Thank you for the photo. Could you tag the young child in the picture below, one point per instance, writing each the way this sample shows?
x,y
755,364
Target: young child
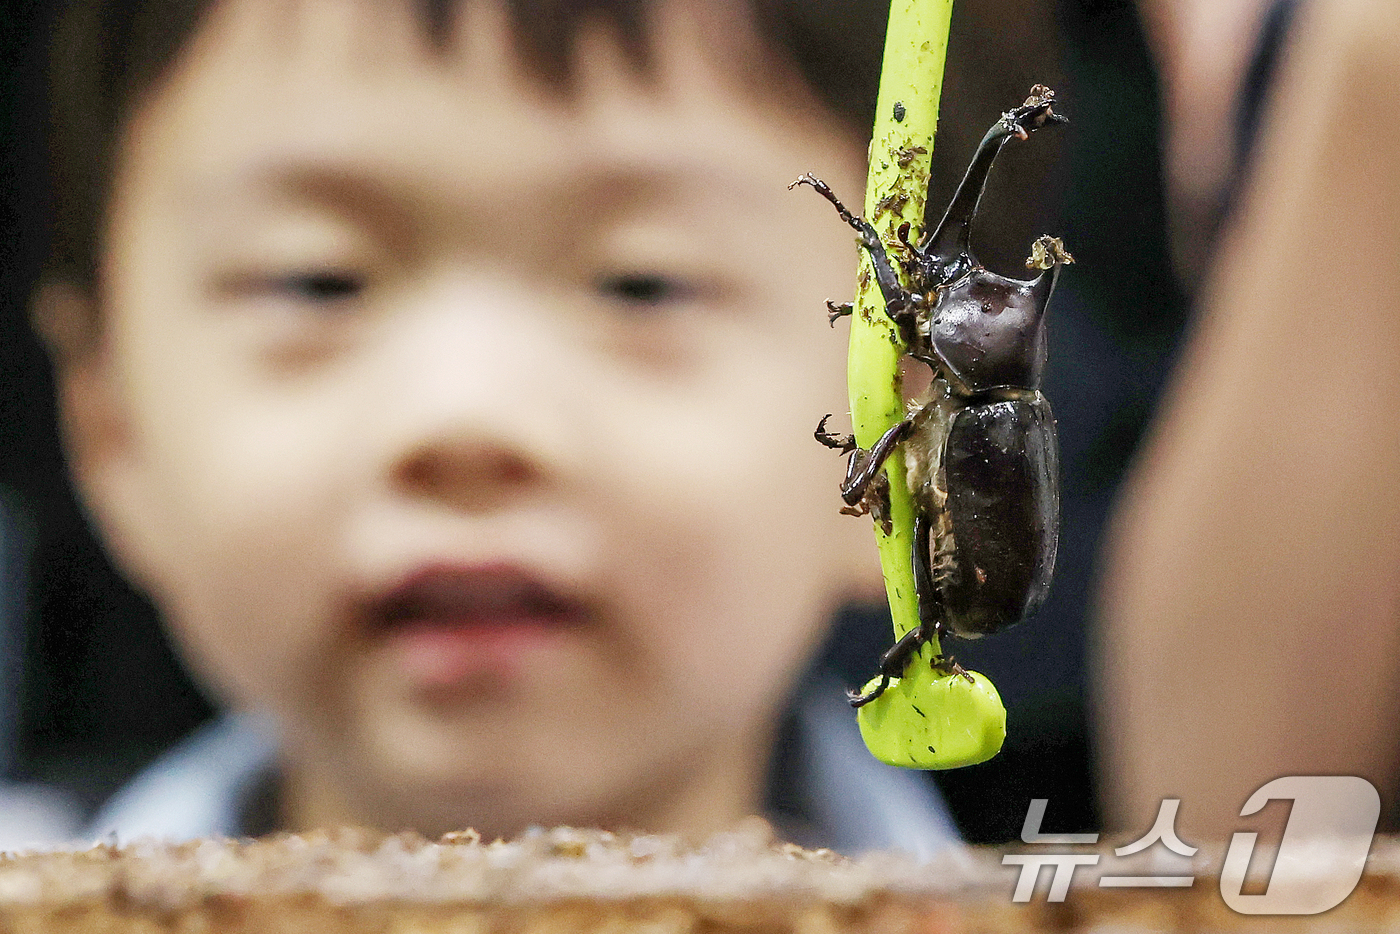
x,y
447,375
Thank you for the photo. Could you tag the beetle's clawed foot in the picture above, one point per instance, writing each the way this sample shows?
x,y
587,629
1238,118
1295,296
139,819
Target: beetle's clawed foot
x,y
1035,113
895,660
946,664
834,311
868,237
858,700
823,189
843,443
892,665
865,491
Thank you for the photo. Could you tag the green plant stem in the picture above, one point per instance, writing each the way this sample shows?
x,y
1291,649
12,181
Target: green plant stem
x,y
901,152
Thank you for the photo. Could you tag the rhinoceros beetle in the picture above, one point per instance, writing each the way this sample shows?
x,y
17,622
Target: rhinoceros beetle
x,y
981,449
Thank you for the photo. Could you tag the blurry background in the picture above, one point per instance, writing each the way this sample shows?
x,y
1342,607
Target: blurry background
x,y
98,692
89,690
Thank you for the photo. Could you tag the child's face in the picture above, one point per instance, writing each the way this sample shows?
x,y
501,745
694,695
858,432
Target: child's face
x,y
467,428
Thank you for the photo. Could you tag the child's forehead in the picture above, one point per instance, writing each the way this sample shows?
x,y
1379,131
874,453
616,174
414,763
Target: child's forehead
x,y
355,46
299,94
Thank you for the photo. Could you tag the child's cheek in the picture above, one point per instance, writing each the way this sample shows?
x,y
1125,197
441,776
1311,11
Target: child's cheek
x,y
250,487
723,514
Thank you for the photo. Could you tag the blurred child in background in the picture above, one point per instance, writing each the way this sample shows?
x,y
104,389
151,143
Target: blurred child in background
x,y
446,373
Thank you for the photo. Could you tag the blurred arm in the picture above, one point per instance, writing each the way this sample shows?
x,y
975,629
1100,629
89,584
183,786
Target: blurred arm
x,y
1251,612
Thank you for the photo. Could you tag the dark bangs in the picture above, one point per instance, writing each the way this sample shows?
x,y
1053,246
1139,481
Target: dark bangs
x,y
107,54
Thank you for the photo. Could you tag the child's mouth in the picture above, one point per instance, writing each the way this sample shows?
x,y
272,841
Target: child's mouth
x,y
451,627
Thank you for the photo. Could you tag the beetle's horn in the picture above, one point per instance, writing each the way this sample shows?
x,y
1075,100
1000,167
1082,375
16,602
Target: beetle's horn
x,y
952,237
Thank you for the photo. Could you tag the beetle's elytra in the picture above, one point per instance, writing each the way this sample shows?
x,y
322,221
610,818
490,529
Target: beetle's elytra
x,y
981,449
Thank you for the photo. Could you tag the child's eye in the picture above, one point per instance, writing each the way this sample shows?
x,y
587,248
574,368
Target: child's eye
x,y
320,287
645,290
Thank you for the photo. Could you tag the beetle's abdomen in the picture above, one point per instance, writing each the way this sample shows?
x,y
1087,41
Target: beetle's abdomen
x,y
1001,468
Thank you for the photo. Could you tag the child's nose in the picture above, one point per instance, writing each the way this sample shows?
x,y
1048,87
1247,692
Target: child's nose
x,y
476,474
479,417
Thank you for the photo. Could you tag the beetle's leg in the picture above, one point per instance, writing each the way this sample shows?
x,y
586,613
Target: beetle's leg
x,y
902,234
896,660
875,502
948,665
930,600
892,665
950,240
925,586
843,443
898,306
864,466
931,608
874,497
834,311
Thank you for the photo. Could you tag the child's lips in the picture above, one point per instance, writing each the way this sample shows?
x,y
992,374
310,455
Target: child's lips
x,y
449,627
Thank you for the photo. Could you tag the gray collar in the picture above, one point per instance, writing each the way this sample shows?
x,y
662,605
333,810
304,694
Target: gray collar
x,y
216,782
196,788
